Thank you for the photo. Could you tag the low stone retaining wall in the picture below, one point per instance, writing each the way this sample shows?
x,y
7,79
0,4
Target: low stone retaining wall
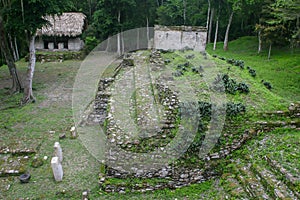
x,y
57,57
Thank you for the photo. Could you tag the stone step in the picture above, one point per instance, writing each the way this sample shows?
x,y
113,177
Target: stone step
x,y
274,186
274,124
234,189
292,181
251,182
293,111
277,168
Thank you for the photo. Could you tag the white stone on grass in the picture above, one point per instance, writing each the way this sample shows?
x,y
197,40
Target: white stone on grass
x,y
57,169
58,151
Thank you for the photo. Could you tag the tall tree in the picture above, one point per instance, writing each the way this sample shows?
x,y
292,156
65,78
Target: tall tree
x,y
171,13
9,59
244,8
279,23
112,17
211,18
287,13
225,46
217,28
9,52
27,17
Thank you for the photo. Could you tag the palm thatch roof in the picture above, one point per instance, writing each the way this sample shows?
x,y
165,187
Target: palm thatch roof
x,y
69,24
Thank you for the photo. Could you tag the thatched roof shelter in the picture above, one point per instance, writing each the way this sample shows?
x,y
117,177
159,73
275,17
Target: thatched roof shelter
x,y
70,24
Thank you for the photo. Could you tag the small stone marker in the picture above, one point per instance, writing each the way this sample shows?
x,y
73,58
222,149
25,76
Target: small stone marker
x,y
85,195
62,136
58,151
57,169
73,132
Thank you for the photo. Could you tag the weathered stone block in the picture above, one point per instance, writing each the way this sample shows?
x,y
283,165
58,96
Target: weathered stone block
x,y
57,169
51,45
58,151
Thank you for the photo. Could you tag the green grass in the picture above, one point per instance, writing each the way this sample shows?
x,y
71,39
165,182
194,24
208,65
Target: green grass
x,y
53,83
282,70
29,126
195,191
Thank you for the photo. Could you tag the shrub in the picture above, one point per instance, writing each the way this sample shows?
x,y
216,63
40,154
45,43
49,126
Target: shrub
x,y
187,64
167,61
90,43
204,109
177,73
191,56
179,66
233,109
267,85
243,88
239,63
230,61
195,70
252,72
230,85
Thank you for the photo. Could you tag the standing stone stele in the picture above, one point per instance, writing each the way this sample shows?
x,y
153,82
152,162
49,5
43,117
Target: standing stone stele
x,y
58,151
57,169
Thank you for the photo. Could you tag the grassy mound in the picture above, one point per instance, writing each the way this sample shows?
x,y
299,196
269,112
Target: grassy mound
x,y
282,70
40,125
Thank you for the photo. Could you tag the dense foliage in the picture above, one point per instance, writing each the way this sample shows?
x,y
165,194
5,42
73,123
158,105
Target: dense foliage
x,y
276,21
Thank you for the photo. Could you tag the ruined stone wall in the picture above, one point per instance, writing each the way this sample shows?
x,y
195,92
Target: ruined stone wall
x,y
180,37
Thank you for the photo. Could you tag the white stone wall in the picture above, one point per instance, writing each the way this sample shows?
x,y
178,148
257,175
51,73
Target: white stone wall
x,y
179,37
39,43
75,44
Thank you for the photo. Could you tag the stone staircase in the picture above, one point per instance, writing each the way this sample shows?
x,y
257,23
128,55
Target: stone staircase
x,y
246,181
256,181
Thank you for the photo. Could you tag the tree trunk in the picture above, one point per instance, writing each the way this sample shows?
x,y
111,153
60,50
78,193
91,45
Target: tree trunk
x,y
138,38
16,84
184,12
28,95
225,47
269,54
22,7
118,36
298,22
12,48
217,28
207,20
122,39
210,24
148,36
90,9
17,50
259,42
216,34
